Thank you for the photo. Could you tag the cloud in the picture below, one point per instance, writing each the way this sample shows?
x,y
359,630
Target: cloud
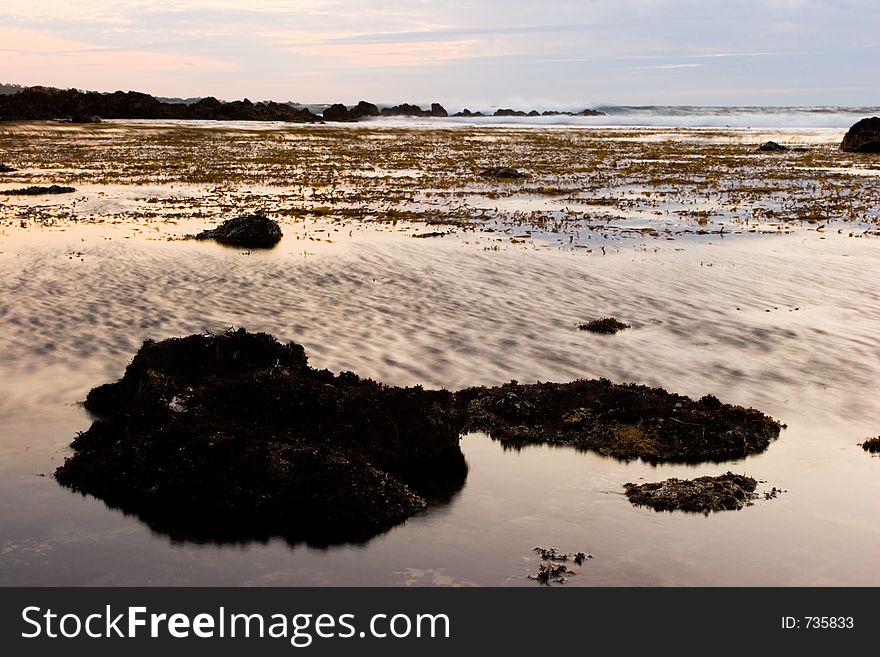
x,y
664,67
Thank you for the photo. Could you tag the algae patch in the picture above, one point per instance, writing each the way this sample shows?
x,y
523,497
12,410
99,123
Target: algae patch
x,y
727,492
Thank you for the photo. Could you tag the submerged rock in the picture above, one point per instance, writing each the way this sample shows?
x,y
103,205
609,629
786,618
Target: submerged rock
x,y
606,325
863,137
251,231
501,173
772,146
232,436
6,168
625,421
727,492
37,190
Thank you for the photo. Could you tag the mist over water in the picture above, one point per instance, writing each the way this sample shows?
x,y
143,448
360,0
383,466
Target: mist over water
x,y
684,116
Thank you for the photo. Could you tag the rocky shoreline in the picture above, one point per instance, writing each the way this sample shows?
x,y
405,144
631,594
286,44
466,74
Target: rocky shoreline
x,y
47,103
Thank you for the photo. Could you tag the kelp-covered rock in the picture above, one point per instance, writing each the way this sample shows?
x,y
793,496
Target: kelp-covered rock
x,y
606,326
871,445
501,173
625,421
250,231
727,492
233,435
38,190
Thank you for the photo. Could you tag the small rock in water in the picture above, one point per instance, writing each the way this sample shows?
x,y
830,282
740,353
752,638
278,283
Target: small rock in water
x,y
727,492
871,445
501,173
606,325
37,190
251,231
772,146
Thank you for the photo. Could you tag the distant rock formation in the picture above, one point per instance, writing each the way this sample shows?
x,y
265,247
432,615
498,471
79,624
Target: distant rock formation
x,y
46,103
863,137
339,112
467,113
512,112
405,109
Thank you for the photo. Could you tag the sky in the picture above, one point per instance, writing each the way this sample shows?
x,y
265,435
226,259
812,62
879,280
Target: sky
x,y
512,53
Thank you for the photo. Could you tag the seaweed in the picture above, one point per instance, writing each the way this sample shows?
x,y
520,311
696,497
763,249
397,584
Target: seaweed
x,y
727,492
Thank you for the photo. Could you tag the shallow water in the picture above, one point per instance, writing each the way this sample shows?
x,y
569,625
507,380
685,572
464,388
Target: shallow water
x,y
783,323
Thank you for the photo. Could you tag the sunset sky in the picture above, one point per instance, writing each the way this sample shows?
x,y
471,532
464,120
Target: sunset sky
x,y
495,52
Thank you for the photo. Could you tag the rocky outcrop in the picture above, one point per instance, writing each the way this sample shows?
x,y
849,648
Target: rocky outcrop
x,y
467,113
252,231
863,137
340,112
624,421
233,436
501,173
532,113
45,103
39,190
5,168
772,147
727,492
406,109
336,112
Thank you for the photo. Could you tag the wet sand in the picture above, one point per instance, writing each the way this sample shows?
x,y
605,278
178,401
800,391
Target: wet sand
x,y
782,319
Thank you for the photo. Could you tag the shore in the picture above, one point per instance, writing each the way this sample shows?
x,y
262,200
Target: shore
x,y
777,311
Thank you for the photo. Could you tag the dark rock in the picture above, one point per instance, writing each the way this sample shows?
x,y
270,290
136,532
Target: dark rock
x,y
534,113
79,118
405,109
45,103
251,231
590,112
727,492
501,173
606,325
863,137
336,112
363,110
233,436
625,421
508,112
871,445
431,234
772,146
37,190
467,113
6,168
438,110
